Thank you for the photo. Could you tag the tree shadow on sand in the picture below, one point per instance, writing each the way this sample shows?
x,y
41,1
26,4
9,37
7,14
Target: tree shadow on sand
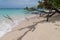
x,y
31,28
55,18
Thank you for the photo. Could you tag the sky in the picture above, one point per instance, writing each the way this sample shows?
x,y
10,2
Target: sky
x,y
17,3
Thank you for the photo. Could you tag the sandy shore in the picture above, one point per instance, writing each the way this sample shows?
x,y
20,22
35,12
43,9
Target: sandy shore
x,y
36,28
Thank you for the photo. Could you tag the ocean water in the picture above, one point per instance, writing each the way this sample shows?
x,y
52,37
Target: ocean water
x,y
6,24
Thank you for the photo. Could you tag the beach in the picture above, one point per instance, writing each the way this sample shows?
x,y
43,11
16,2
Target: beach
x,y
35,28
9,18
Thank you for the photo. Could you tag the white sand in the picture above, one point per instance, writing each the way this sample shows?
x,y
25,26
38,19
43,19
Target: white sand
x,y
44,30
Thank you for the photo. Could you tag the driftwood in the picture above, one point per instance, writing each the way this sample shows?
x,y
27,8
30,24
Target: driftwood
x,y
8,17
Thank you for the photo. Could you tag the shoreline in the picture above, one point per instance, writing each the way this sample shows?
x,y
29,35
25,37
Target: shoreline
x,y
41,31
16,25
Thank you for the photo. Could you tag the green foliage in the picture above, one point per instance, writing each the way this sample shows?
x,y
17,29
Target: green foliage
x,y
47,4
30,9
26,8
40,4
56,3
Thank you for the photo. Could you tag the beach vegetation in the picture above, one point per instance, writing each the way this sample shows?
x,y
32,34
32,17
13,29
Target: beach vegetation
x,y
49,5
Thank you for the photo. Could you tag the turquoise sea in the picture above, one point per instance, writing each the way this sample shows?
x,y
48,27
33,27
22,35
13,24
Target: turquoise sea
x,y
17,15
11,12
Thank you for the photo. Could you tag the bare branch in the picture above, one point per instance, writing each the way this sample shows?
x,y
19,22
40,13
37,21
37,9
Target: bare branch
x,y
8,17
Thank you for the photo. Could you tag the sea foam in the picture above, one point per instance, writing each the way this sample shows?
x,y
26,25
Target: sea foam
x,y
7,25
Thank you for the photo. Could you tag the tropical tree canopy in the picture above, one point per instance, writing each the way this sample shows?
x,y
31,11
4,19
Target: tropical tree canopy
x,y
47,4
40,4
56,3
